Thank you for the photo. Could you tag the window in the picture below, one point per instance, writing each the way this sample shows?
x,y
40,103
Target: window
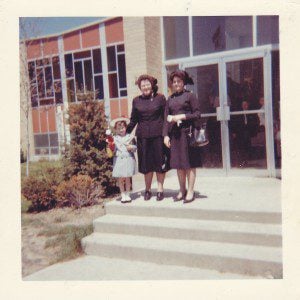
x,y
45,77
46,144
116,71
176,33
87,75
267,30
213,34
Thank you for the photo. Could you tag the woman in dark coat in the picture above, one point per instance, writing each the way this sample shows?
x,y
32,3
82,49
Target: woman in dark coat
x,y
181,115
148,113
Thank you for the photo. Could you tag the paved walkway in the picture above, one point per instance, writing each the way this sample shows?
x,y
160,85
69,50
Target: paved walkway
x,y
247,194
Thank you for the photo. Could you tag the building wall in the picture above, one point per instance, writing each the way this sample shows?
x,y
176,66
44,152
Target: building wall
x,y
154,49
135,53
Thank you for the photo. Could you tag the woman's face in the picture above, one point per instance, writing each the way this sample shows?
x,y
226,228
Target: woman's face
x,y
177,84
146,87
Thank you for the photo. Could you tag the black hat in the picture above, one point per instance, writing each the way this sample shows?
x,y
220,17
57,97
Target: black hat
x,y
183,75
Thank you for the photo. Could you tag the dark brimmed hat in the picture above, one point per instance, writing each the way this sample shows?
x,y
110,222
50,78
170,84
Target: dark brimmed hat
x,y
183,75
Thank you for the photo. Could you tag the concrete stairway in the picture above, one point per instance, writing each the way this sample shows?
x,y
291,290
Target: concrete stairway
x,y
199,235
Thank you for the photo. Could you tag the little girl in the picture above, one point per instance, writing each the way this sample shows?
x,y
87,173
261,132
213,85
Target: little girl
x,y
124,160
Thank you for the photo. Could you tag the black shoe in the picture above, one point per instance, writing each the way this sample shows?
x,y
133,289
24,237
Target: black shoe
x,y
180,198
147,195
160,196
189,200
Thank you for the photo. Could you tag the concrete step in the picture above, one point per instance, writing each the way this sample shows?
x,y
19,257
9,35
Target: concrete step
x,y
191,229
224,257
169,209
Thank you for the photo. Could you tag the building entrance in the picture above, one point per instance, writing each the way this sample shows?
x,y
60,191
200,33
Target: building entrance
x,y
235,95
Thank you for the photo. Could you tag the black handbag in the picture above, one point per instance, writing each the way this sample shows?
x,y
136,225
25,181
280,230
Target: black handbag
x,y
198,137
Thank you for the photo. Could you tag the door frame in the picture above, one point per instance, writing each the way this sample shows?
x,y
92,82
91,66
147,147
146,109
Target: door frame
x,y
231,56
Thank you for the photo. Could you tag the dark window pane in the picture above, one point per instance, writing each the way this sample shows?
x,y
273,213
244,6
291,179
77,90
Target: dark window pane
x,y
39,63
176,32
111,58
97,61
113,85
123,93
41,140
213,34
54,150
71,90
69,65
46,61
53,139
56,67
42,151
88,75
79,76
83,54
99,87
267,30
49,82
120,48
34,101
41,83
46,101
58,92
31,71
122,71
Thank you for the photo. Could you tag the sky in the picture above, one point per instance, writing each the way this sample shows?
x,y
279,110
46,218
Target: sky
x,y
40,26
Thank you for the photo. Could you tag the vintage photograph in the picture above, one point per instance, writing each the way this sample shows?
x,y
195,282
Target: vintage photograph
x,y
150,148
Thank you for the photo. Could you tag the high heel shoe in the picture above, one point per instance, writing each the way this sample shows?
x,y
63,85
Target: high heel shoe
x,y
160,196
147,195
181,197
189,200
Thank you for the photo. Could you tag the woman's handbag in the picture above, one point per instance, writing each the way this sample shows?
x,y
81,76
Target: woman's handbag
x,y
198,137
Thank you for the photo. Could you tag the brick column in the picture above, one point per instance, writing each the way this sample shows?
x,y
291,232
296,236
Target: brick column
x,y
143,51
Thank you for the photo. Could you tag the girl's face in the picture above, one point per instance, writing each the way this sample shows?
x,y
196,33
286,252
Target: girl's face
x,y
146,87
177,84
121,128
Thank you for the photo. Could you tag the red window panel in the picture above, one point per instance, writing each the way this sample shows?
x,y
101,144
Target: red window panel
x,y
124,107
90,36
114,31
50,46
35,121
34,49
43,120
114,109
51,119
72,41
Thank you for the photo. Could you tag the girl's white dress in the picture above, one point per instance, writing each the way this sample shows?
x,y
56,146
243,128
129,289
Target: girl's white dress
x,y
124,164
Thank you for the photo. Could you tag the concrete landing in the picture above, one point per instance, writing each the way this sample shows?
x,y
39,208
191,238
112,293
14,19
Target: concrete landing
x,y
99,268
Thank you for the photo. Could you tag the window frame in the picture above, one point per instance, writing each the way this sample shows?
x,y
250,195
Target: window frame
x,y
117,53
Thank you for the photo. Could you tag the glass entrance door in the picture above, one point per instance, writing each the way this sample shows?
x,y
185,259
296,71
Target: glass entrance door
x,y
235,95
246,102
206,88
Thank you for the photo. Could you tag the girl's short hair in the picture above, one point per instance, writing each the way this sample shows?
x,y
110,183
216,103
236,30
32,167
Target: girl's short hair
x,y
151,79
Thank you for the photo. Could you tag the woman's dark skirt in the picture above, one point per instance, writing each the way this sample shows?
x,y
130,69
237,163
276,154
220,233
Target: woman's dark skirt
x,y
183,156
153,155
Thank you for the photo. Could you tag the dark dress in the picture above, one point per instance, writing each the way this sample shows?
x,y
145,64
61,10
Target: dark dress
x,y
148,114
182,156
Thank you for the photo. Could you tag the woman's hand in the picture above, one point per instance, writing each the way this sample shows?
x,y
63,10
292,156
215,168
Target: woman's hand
x,y
167,141
131,148
176,118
